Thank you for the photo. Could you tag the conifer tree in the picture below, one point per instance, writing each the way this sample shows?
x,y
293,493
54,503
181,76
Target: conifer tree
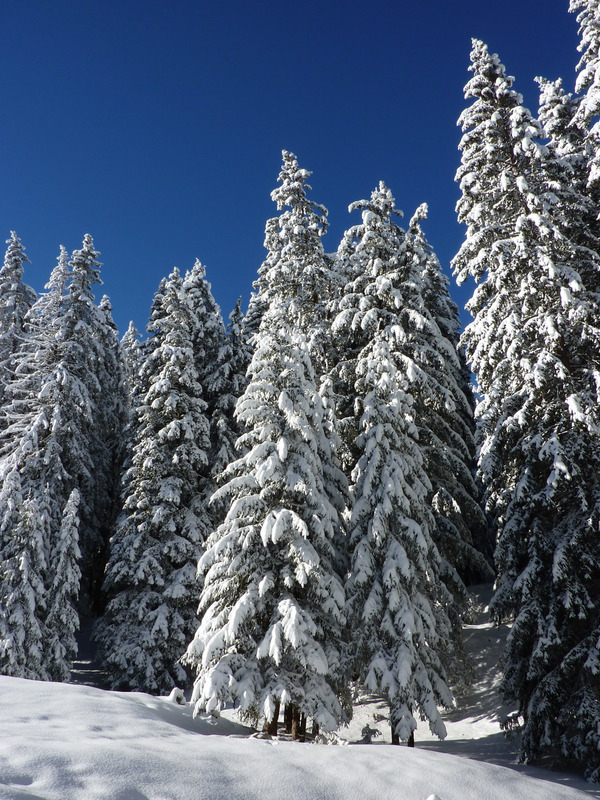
x,y
272,604
62,621
131,358
16,298
23,566
272,601
396,599
296,264
235,358
212,357
150,579
48,410
587,85
446,432
534,345
88,455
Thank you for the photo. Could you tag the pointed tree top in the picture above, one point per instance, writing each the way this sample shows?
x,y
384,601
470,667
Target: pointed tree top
x,y
382,203
419,215
14,258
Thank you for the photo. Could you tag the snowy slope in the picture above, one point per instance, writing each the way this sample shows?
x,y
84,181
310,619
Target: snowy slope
x,y
67,742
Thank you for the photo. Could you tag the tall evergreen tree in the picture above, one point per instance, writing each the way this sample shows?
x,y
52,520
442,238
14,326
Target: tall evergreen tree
x,y
396,599
88,455
23,568
16,298
534,345
48,408
235,358
587,85
62,619
131,357
272,604
296,266
447,432
212,363
272,601
150,580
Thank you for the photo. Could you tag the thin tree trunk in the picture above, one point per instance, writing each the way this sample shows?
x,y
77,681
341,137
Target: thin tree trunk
x,y
270,725
315,729
303,728
295,723
411,740
288,715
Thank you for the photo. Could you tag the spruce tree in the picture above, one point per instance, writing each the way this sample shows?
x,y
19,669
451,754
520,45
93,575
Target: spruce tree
x,y
62,619
396,599
212,364
534,345
131,358
272,601
16,298
235,358
150,579
48,412
447,432
23,567
587,85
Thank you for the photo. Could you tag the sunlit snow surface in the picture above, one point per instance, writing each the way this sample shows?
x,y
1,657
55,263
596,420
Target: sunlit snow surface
x,y
66,742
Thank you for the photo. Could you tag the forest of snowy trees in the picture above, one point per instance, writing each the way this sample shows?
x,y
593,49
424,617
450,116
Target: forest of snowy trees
x,y
275,510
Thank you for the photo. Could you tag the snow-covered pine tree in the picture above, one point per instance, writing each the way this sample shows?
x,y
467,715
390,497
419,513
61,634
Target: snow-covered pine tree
x,y
396,599
23,566
272,600
48,409
108,447
91,355
151,574
447,432
235,357
131,358
212,364
296,265
62,621
272,604
534,345
587,85
16,298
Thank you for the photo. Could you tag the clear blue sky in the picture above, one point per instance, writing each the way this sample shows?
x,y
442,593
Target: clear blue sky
x,y
158,126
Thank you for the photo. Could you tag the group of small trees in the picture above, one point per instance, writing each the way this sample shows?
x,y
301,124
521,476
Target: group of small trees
x,y
530,199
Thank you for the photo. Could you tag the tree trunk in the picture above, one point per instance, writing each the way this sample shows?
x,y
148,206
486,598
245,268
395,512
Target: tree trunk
x,y
411,740
270,725
315,729
303,728
295,723
395,738
288,715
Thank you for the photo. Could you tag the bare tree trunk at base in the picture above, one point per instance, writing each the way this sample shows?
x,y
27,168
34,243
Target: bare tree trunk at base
x,y
270,725
295,723
288,715
303,728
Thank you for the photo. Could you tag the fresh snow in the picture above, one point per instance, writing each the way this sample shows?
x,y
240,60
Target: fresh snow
x,y
68,742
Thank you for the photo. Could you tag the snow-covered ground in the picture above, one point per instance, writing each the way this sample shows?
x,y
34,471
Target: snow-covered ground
x,y
69,742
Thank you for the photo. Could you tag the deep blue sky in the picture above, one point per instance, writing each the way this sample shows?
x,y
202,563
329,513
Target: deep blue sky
x,y
158,126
